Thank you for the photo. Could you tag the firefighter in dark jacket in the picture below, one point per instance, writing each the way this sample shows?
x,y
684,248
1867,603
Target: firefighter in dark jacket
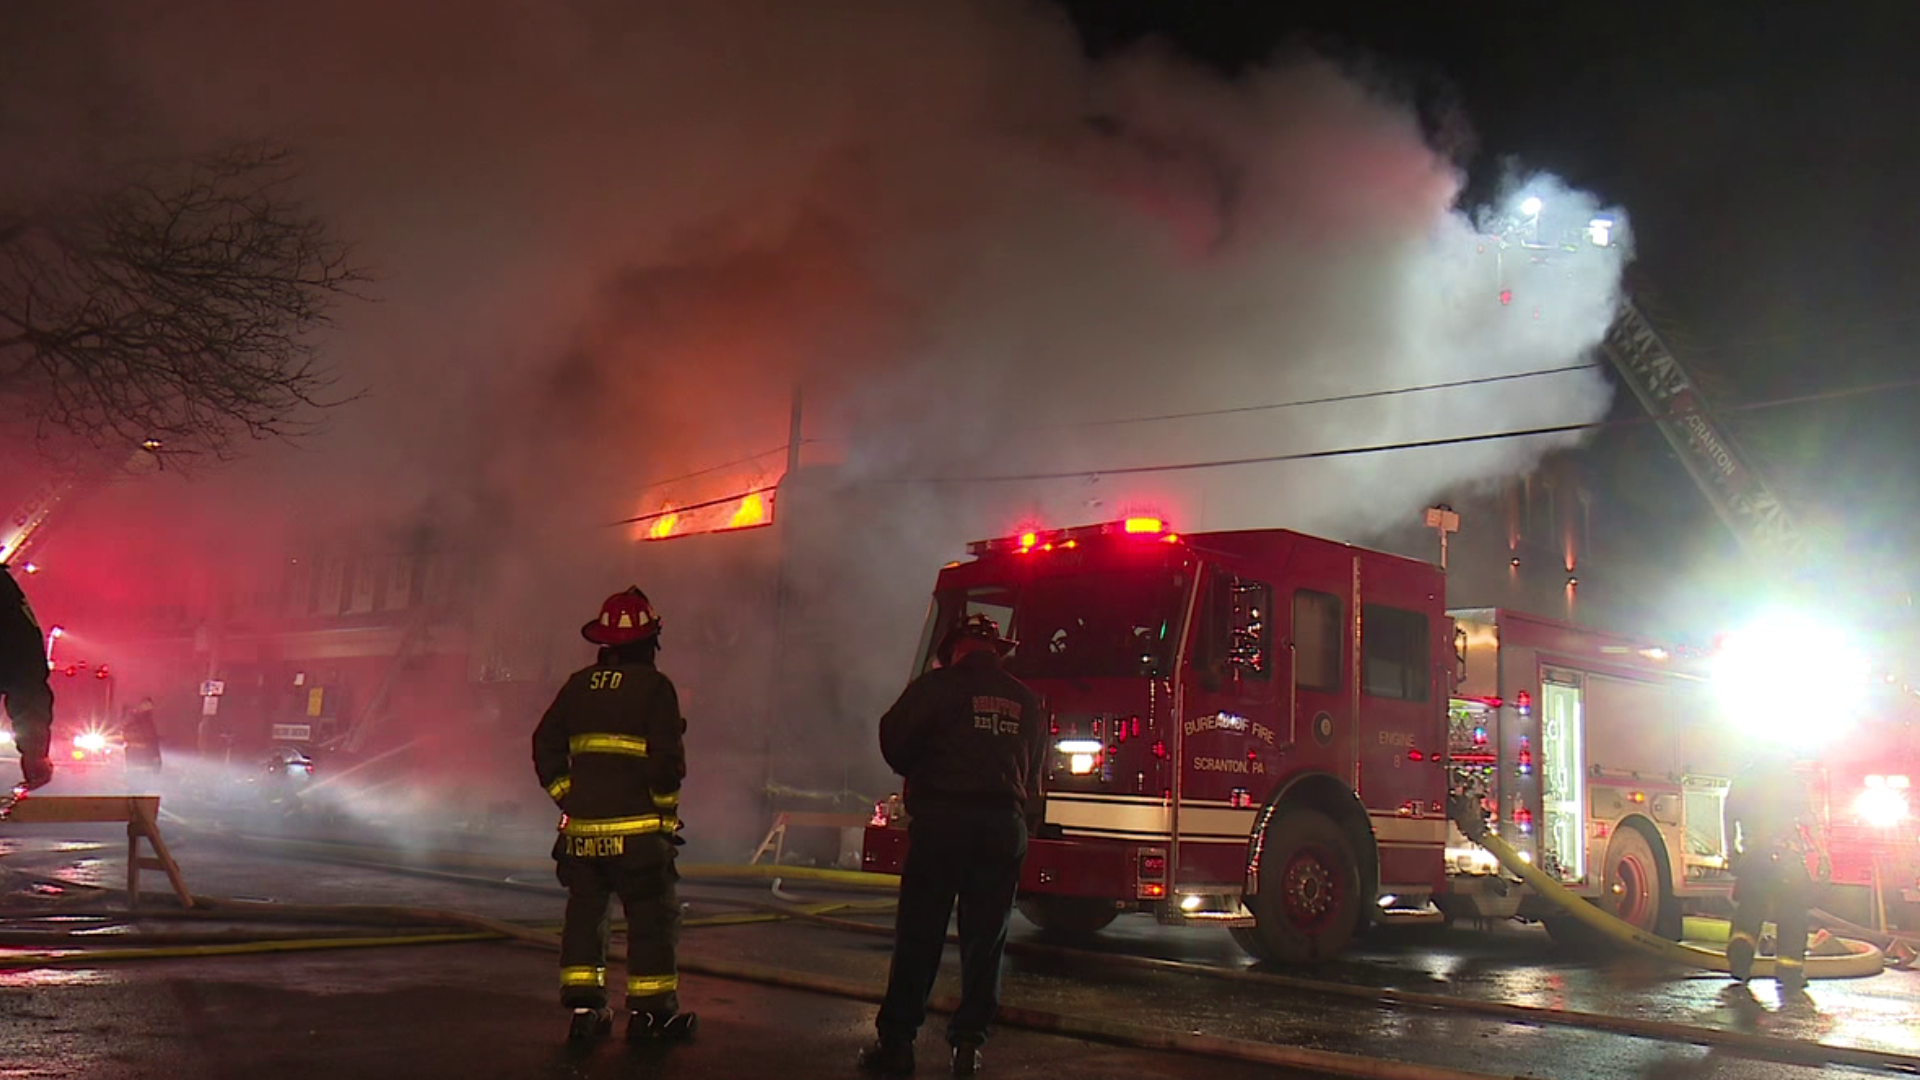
x,y
23,682
609,751
1768,819
142,738
970,739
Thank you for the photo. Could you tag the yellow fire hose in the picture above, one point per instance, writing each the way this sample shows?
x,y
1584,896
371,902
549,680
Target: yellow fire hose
x,y
486,861
1759,1046
1861,959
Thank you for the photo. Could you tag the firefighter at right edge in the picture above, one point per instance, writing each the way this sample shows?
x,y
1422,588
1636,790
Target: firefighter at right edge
x,y
23,682
970,739
610,752
1767,818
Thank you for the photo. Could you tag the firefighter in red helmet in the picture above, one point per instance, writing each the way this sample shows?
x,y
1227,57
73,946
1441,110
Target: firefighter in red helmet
x,y
610,752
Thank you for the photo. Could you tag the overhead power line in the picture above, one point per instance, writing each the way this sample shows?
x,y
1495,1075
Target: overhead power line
x,y
1890,386
722,501
716,468
1416,444
1333,399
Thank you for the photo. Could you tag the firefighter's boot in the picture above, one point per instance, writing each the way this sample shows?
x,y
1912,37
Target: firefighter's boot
x,y
888,1057
966,1057
589,1023
645,1026
1740,957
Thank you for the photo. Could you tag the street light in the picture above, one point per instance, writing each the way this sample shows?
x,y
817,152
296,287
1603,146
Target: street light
x,y
1530,206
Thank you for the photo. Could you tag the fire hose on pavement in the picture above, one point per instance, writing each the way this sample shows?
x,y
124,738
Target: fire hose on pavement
x,y
1130,1035
433,926
1861,958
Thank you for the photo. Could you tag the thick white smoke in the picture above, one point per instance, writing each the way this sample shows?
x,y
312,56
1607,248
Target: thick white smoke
x,y
612,237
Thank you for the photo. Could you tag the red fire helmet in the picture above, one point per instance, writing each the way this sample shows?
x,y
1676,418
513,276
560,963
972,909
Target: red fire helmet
x,y
625,618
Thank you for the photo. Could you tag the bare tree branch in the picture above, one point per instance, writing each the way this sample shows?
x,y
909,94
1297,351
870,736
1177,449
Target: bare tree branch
x,y
175,305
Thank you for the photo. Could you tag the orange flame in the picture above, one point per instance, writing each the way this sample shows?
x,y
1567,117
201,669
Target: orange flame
x,y
662,527
753,511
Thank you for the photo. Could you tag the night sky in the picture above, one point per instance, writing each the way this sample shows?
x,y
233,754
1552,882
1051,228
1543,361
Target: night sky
x,y
1769,158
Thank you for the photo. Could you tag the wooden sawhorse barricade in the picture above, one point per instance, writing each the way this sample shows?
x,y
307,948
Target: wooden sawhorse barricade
x,y
140,812
776,841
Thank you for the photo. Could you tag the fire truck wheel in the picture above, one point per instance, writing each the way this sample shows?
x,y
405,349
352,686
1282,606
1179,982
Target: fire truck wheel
x,y
1308,906
1068,916
1631,887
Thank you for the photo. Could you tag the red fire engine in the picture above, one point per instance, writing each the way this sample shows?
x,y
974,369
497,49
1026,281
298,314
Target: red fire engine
x,y
1248,727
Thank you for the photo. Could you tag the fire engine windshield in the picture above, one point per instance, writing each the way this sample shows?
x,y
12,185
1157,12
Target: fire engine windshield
x,y
1098,624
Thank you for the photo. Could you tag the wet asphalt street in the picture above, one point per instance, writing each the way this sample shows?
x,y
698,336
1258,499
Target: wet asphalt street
x,y
486,1010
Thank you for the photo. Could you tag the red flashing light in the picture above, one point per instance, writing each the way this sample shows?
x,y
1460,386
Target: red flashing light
x,y
1140,525
1506,297
1135,724
72,671
1523,700
1415,755
1152,890
1028,539
1159,749
1253,755
1523,817
101,674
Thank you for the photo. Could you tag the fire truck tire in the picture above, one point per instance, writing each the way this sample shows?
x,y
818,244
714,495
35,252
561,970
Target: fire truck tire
x,y
1632,887
1308,907
1068,916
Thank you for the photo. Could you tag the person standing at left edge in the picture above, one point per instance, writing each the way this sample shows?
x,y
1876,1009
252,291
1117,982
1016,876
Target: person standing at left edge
x,y
610,752
23,683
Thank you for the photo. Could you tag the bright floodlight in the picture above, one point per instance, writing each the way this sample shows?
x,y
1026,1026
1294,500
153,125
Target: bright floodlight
x,y
1530,206
1790,678
1882,803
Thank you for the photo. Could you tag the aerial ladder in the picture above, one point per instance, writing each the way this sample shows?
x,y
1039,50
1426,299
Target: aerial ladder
x,y
1751,509
22,528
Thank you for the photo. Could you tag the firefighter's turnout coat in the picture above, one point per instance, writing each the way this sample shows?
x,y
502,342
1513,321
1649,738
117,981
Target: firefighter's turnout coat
x,y
610,751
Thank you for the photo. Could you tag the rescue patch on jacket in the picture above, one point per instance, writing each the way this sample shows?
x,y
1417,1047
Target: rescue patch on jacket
x,y
998,715
596,847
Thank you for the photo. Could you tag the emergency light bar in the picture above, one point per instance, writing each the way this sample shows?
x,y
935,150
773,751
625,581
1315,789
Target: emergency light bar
x,y
1136,528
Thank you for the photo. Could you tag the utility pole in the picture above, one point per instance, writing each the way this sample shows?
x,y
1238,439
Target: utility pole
x,y
783,540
